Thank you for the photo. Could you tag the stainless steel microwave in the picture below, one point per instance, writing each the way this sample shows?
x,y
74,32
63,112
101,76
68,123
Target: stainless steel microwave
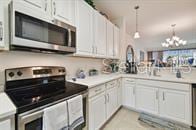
x,y
37,31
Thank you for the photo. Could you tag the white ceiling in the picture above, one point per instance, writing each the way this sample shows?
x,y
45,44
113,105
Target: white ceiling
x,y
155,18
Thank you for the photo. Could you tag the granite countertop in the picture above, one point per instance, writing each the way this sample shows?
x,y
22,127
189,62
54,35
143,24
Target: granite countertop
x,y
7,108
103,78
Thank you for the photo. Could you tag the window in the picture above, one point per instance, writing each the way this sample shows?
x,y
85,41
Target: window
x,y
173,57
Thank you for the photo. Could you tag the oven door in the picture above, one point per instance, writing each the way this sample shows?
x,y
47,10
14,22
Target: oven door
x,y
194,105
33,121
30,121
35,31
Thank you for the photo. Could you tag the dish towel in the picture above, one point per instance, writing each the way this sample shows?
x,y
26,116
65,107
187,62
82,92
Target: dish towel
x,y
56,117
75,112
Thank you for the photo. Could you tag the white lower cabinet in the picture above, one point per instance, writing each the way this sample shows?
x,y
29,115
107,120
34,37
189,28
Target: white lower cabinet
x,y
119,95
165,99
175,105
147,99
129,93
5,124
102,104
97,111
111,105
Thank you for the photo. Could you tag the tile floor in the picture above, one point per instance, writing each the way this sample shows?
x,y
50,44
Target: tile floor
x,y
126,120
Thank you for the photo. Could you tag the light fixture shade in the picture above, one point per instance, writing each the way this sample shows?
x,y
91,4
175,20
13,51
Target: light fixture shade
x,y
136,35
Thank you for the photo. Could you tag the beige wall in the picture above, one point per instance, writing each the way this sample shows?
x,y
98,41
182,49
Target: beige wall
x,y
21,59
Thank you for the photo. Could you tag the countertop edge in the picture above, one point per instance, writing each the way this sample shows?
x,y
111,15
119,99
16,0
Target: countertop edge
x,y
113,77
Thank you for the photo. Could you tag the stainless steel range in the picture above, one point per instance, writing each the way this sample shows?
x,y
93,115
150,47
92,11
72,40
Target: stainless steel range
x,y
34,88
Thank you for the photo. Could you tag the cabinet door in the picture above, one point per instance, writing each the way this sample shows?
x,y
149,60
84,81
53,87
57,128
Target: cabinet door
x,y
5,125
111,106
97,111
116,41
119,90
147,99
110,39
100,34
175,105
129,94
1,24
42,5
64,10
84,28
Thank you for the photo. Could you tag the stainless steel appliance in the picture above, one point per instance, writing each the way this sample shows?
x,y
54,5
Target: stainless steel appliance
x,y
34,88
131,67
37,31
194,104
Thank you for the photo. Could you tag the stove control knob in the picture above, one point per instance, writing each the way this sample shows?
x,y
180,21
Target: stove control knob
x,y
11,74
19,73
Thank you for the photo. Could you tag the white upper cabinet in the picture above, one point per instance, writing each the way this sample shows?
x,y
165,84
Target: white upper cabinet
x,y
116,41
97,111
41,5
110,39
100,34
64,10
5,125
175,105
1,25
84,24
147,99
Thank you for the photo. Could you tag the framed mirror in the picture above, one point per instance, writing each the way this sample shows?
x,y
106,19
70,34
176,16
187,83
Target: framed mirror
x,y
130,54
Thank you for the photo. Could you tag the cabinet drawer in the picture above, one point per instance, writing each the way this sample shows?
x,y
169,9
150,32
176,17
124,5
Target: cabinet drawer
x,y
111,84
162,84
96,90
129,81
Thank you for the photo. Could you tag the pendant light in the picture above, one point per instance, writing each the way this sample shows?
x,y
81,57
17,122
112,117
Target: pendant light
x,y
136,35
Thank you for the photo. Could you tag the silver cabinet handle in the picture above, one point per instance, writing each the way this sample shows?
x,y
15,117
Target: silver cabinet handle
x,y
157,94
97,90
37,115
130,81
134,90
108,97
163,96
1,31
96,50
46,4
54,4
105,99
112,84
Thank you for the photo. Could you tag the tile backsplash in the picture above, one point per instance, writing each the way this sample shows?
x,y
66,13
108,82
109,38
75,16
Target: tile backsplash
x,y
21,59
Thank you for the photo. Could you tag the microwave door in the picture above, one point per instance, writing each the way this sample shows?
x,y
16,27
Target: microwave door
x,y
33,30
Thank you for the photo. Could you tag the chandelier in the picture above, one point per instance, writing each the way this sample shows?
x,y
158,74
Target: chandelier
x,y
174,41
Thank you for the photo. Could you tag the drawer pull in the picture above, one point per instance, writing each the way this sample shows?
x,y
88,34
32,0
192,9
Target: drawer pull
x,y
105,99
97,90
130,81
134,90
157,94
163,96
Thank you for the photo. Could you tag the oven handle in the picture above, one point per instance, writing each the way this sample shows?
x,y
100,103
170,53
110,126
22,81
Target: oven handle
x,y
37,115
40,110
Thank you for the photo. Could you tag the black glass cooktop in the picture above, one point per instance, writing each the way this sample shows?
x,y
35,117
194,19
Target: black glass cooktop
x,y
32,94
